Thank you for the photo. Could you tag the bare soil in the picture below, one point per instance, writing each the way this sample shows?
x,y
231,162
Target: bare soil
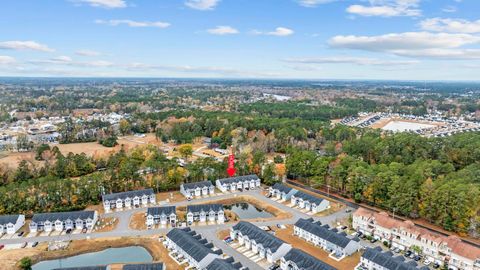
x,y
137,221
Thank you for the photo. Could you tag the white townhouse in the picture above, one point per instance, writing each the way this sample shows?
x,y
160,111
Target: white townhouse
x,y
405,234
196,250
10,224
161,215
338,244
296,259
197,189
281,192
259,241
204,212
376,259
309,202
129,199
238,183
63,221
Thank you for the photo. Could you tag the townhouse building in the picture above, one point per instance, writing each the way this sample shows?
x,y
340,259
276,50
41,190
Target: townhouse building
x,y
195,249
405,235
225,264
237,183
129,199
197,189
376,259
281,192
259,241
296,259
204,212
309,202
10,224
63,221
161,215
338,244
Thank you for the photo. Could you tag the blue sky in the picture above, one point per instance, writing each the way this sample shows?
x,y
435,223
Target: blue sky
x,y
312,39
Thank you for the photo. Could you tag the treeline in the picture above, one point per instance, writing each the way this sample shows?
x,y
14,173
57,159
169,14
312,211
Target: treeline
x,y
432,178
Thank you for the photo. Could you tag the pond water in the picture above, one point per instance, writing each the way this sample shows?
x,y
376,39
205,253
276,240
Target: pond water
x,y
248,211
108,256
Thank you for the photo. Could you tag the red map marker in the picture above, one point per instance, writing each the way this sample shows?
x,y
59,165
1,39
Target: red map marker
x,y
231,165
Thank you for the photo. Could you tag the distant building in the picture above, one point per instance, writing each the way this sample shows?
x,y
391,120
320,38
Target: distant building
x,y
297,259
161,215
204,212
63,221
338,244
135,198
375,258
197,189
10,224
238,183
259,241
309,202
282,192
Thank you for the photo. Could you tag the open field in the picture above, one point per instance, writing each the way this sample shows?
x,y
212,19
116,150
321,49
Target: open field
x,y
9,258
137,221
400,124
171,196
287,236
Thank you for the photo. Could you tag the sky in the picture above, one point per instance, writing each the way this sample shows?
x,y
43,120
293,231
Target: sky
x,y
277,39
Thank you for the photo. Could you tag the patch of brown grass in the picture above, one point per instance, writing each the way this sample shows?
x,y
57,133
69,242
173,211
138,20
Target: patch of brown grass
x,y
172,196
137,221
109,223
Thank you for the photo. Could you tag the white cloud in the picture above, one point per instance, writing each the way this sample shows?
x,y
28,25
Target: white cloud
x,y
223,30
6,60
105,3
387,8
132,23
450,25
87,53
68,61
413,44
279,32
363,61
449,9
202,4
24,45
314,3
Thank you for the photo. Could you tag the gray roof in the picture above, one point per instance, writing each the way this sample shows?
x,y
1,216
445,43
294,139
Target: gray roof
x,y
127,194
306,261
191,243
308,197
83,215
164,210
227,264
144,266
386,260
236,179
197,208
323,232
9,219
194,185
84,268
260,236
282,188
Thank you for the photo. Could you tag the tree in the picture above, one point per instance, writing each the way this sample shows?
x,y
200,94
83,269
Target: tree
x,y
125,126
109,141
40,149
185,150
23,172
23,143
25,263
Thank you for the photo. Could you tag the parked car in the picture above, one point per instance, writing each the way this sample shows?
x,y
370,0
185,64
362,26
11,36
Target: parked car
x,y
21,233
24,245
344,227
417,258
436,265
35,244
2,246
373,240
274,267
348,210
68,231
408,253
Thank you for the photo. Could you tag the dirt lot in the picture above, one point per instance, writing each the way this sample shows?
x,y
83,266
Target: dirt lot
x,y
173,196
9,258
287,236
107,224
137,221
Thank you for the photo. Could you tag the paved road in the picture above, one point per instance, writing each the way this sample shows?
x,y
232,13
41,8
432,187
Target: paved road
x,y
207,231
